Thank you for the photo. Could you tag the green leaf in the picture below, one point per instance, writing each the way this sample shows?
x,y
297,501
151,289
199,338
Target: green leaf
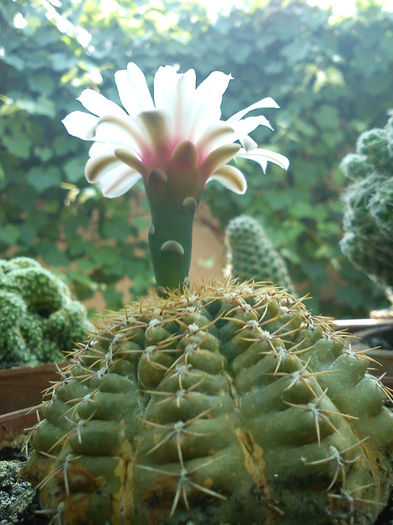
x,y
27,233
113,297
40,106
54,257
42,82
74,169
9,234
41,179
44,153
17,143
116,229
84,264
327,117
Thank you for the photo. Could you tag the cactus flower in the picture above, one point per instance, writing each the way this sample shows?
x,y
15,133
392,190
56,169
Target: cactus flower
x,y
180,132
176,143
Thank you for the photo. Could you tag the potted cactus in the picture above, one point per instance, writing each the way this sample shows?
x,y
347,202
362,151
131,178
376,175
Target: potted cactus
x,y
229,403
251,255
368,227
38,322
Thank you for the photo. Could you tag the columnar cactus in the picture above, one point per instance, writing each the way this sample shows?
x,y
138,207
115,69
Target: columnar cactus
x,y
368,216
38,318
232,404
251,255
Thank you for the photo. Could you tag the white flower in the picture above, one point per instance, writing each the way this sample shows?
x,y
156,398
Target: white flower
x,y
179,132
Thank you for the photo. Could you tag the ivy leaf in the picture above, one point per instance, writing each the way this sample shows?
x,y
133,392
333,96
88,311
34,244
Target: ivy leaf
x,y
14,61
74,169
43,178
327,117
53,256
41,106
17,144
113,297
27,233
43,154
9,234
113,229
42,82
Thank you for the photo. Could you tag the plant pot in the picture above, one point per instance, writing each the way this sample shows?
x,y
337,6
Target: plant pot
x,y
13,424
21,391
22,387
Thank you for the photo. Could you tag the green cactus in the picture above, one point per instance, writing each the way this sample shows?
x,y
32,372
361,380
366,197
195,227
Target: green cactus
x,y
38,318
230,404
251,256
368,215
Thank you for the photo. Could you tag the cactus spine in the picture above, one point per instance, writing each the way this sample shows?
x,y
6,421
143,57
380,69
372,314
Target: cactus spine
x,y
231,404
368,215
251,256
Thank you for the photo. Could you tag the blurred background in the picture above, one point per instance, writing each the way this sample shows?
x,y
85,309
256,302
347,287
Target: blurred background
x,y
329,65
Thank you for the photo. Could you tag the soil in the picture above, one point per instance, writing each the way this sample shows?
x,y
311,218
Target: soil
x,y
18,499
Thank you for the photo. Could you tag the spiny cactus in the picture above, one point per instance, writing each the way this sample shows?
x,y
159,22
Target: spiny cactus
x,y
38,318
368,216
230,404
251,256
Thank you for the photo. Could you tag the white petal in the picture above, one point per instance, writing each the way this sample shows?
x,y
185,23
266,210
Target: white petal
x,y
182,116
80,124
263,156
248,143
174,95
263,103
165,81
231,178
98,104
218,158
121,181
120,131
112,176
133,91
99,166
207,106
246,126
101,148
215,136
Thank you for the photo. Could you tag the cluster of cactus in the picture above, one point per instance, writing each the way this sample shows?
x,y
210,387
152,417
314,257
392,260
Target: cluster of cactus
x,y
229,404
38,318
368,216
251,255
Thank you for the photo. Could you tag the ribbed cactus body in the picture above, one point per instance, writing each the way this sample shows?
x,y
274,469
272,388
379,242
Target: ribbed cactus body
x,y
231,405
38,318
368,215
251,255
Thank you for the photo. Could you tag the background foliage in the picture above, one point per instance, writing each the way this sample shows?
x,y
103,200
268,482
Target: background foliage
x,y
331,79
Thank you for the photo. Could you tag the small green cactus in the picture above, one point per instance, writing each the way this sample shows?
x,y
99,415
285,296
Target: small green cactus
x,y
231,404
252,257
38,318
368,215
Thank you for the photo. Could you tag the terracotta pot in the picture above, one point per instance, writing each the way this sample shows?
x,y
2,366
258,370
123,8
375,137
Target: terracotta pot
x,y
13,424
22,387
